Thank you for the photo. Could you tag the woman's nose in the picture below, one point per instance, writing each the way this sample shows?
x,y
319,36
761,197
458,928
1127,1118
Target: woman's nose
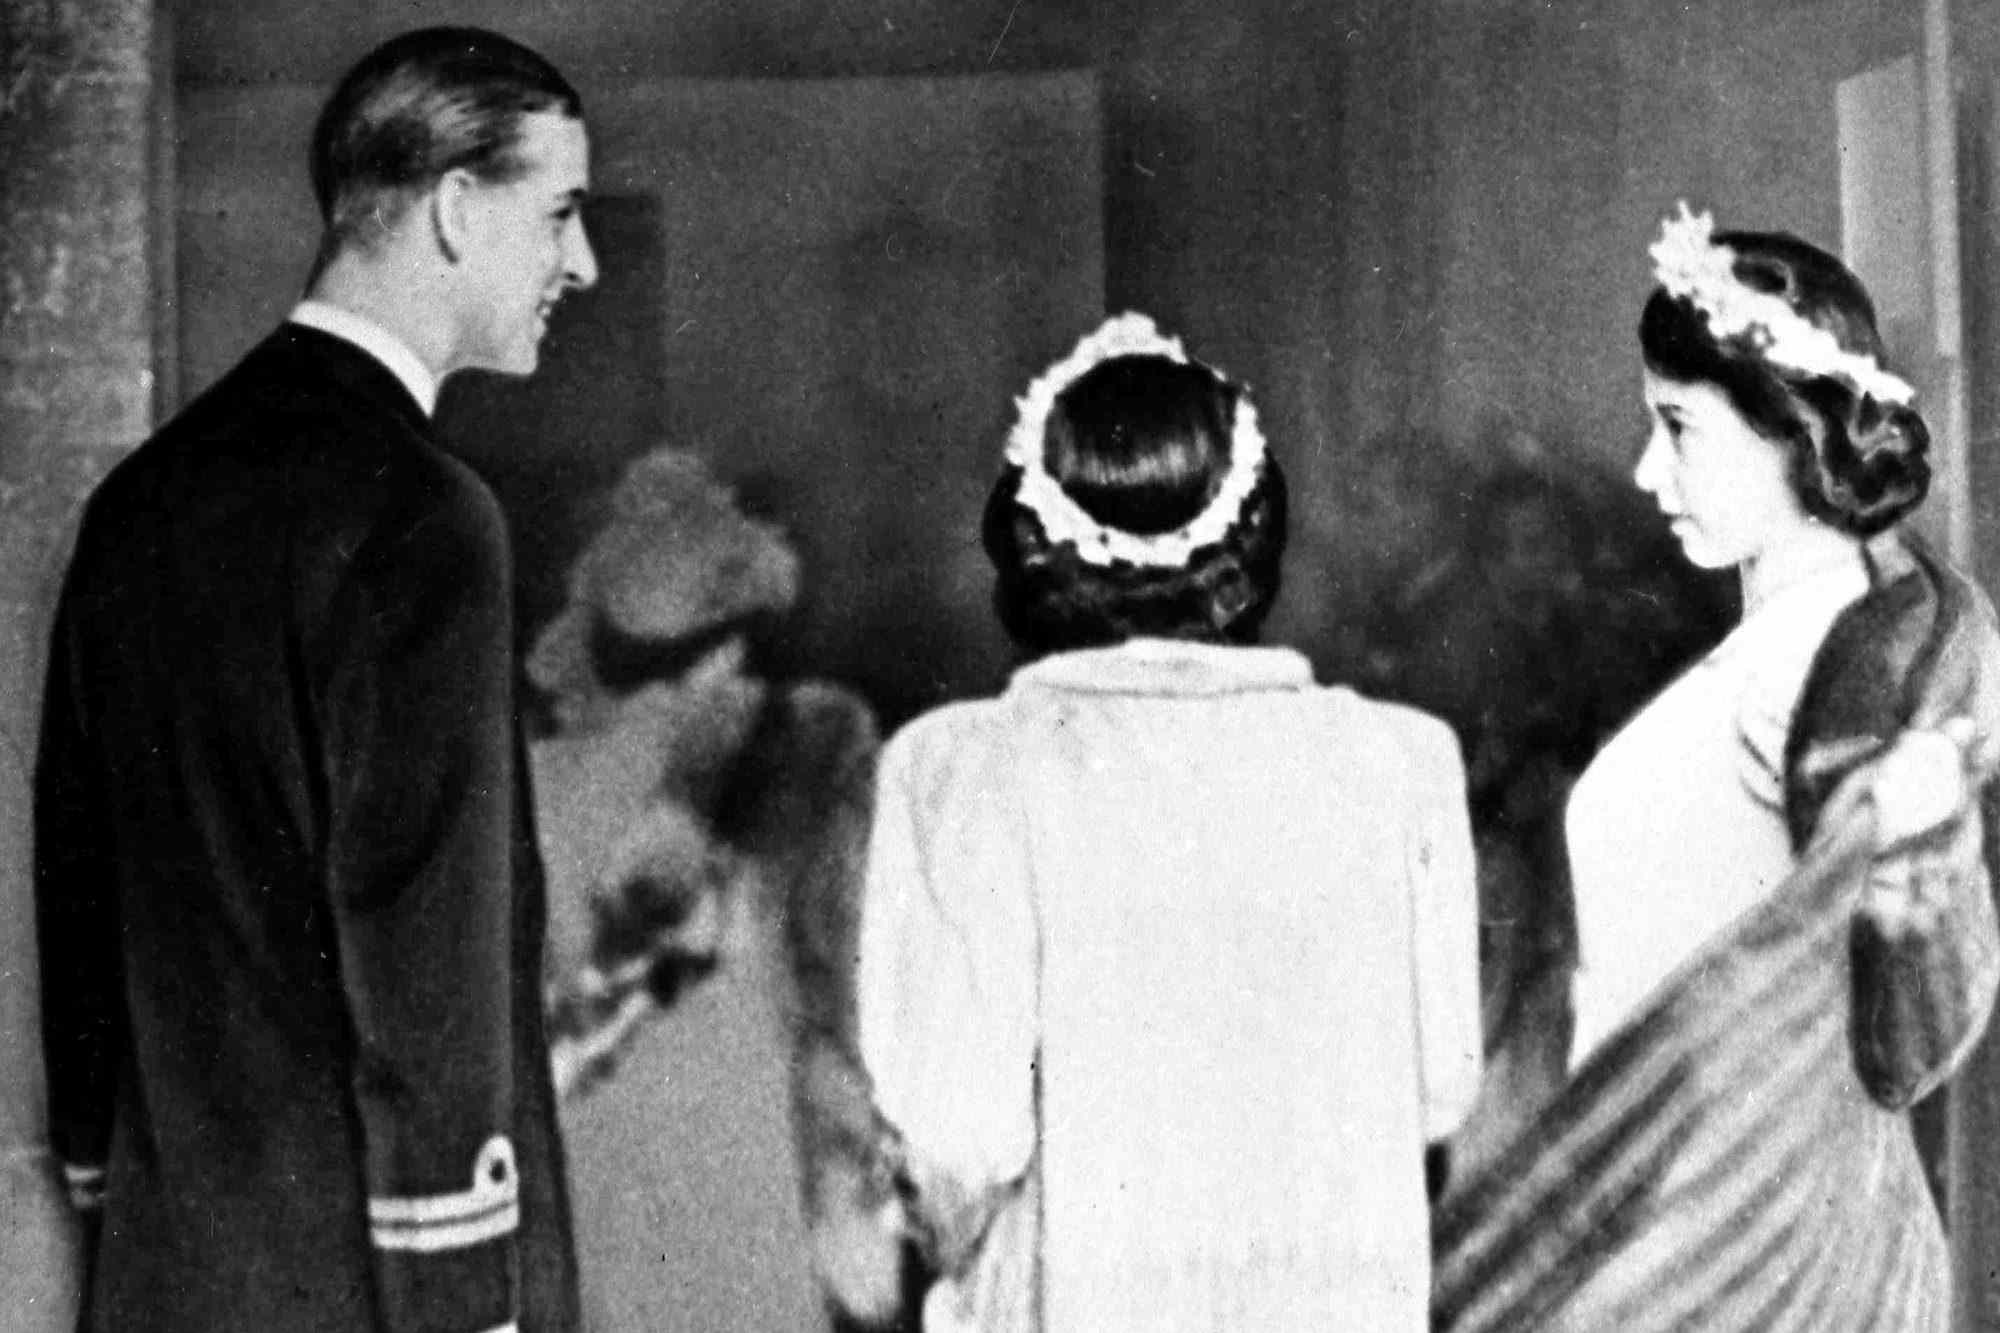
x,y
1650,474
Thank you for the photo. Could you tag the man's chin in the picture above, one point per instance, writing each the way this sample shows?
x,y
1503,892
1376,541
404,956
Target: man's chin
x,y
516,367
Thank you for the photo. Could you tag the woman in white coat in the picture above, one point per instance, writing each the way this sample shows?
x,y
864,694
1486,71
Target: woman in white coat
x,y
1168,967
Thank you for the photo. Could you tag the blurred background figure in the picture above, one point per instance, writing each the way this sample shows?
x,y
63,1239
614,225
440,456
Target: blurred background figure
x,y
703,825
1550,611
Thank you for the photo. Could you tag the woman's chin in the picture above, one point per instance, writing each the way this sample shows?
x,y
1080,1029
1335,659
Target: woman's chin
x,y
1700,552
1704,559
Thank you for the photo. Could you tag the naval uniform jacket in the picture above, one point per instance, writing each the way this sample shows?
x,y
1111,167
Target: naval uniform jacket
x,y
289,905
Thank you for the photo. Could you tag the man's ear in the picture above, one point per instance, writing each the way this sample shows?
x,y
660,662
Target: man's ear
x,y
451,213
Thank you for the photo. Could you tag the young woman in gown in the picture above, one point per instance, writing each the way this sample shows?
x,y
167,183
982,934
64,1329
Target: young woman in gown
x,y
1785,926
1168,959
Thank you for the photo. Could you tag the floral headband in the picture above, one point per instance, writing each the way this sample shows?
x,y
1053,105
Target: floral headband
x,y
1688,263
1062,519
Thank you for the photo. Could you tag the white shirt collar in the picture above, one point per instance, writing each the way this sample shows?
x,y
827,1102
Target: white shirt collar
x,y
375,340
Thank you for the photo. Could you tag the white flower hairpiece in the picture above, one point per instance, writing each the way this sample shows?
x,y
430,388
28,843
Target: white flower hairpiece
x,y
1688,263
1062,519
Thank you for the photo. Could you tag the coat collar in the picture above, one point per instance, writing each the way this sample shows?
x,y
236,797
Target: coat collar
x,y
1919,649
1169,668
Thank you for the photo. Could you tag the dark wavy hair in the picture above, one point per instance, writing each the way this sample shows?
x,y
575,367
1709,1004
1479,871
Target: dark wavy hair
x,y
1855,463
420,105
1141,444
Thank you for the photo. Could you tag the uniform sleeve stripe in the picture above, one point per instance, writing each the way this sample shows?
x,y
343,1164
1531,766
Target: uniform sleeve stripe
x,y
438,1209
85,1185
380,1222
434,1237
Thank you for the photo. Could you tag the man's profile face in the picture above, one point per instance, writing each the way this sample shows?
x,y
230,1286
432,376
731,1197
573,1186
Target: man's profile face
x,y
526,246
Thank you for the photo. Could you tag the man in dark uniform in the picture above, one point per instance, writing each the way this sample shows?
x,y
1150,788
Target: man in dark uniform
x,y
289,905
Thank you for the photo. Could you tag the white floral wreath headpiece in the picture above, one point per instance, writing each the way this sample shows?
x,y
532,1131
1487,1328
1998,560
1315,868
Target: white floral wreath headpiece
x,y
1688,263
1062,519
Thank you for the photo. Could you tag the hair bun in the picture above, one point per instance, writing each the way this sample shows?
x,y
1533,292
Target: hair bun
x,y
1875,466
1050,599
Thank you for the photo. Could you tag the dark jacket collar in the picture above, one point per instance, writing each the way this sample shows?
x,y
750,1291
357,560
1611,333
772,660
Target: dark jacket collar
x,y
312,352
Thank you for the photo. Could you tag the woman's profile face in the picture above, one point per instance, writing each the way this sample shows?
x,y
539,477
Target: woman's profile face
x,y
1722,487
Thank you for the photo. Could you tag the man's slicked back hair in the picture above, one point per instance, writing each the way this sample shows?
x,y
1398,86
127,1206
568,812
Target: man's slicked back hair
x,y
418,106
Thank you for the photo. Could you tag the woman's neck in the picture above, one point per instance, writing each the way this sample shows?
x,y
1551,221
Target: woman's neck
x,y
1812,549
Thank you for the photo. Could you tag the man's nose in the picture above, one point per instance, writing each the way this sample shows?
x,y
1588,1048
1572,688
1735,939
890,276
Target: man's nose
x,y
580,261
